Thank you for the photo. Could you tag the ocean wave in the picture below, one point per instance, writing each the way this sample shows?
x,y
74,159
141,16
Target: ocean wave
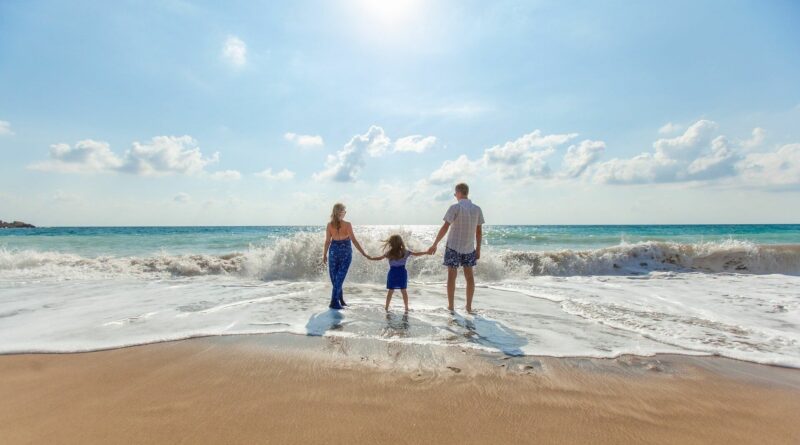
x,y
299,258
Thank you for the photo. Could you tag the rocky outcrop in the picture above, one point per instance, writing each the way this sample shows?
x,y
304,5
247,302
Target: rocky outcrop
x,y
14,225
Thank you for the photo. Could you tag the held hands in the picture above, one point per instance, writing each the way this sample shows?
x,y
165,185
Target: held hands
x,y
432,250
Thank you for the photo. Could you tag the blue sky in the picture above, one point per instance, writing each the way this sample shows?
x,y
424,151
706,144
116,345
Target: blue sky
x,y
181,112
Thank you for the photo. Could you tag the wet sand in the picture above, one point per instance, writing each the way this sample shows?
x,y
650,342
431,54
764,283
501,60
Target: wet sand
x,y
289,389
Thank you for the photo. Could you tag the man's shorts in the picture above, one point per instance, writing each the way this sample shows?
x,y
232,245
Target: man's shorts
x,y
455,259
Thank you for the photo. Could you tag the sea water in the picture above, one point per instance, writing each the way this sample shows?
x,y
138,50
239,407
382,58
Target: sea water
x,y
595,291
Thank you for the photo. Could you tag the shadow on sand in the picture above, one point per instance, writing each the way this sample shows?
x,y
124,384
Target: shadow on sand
x,y
320,323
491,333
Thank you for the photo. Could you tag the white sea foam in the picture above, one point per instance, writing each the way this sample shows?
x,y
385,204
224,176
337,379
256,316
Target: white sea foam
x,y
734,299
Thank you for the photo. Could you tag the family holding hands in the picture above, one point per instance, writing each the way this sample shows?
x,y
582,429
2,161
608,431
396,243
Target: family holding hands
x,y
462,225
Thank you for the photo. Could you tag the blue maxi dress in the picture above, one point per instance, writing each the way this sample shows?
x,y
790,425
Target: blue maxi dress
x,y
340,254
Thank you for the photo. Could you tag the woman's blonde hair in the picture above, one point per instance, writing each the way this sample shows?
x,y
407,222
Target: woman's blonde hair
x,y
394,248
336,220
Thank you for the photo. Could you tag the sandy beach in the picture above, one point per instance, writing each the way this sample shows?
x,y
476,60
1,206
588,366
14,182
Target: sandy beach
x,y
294,389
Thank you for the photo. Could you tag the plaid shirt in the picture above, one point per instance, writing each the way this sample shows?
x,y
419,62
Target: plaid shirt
x,y
464,218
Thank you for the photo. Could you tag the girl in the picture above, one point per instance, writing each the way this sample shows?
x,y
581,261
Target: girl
x,y
338,235
395,251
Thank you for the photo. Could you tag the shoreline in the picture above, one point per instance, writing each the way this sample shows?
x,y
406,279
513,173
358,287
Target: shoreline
x,y
283,388
486,354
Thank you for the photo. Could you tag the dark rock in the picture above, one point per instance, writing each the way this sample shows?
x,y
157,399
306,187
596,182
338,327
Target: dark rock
x,y
15,225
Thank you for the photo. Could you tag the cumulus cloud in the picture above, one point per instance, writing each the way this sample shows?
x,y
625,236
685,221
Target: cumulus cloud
x,y
689,144
456,170
226,175
5,128
718,163
758,136
639,169
283,175
415,143
525,157
304,140
87,156
162,155
778,169
669,128
166,155
235,52
345,165
579,157
670,161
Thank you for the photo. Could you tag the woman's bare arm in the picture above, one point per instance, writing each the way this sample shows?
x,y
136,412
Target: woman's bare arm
x,y
327,243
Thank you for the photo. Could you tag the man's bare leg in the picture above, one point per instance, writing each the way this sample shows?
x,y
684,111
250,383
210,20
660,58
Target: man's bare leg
x,y
470,279
452,272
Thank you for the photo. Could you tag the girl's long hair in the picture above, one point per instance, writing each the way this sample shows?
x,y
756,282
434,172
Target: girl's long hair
x,y
336,220
394,248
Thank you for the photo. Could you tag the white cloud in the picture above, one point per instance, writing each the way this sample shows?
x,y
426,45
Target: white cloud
x,y
670,128
639,169
526,156
226,175
415,143
283,175
696,138
304,140
163,155
671,159
346,164
166,155
5,128
454,171
720,162
182,198
759,134
580,157
235,52
777,169
87,156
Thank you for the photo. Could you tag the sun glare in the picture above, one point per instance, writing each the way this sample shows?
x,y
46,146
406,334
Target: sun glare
x,y
386,17
390,12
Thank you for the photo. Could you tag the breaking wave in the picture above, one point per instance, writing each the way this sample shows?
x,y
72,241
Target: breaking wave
x,y
299,258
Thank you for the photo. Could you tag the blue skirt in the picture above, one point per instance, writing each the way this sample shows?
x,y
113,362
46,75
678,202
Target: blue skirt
x,y
397,278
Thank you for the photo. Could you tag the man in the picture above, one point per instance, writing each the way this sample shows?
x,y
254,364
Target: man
x,y
463,248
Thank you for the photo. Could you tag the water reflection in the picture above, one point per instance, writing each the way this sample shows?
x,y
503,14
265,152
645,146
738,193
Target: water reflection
x,y
320,323
396,325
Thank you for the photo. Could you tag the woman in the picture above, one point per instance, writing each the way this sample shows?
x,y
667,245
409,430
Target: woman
x,y
338,235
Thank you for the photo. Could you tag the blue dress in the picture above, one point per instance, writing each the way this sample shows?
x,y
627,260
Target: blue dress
x,y
398,275
340,254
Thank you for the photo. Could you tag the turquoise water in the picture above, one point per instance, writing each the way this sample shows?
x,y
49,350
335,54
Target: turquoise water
x,y
128,241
